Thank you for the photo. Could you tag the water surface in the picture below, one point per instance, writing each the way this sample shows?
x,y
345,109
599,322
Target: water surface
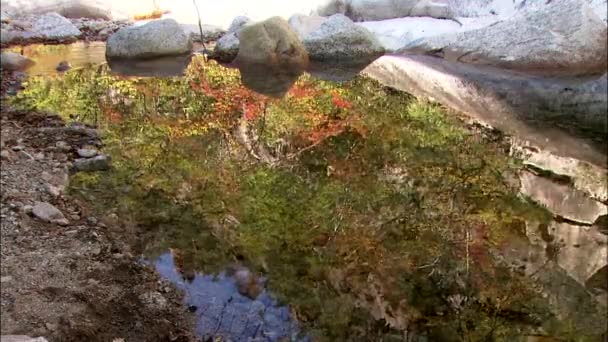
x,y
373,216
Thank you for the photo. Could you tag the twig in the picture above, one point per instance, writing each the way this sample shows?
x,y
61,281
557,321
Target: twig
x,y
200,26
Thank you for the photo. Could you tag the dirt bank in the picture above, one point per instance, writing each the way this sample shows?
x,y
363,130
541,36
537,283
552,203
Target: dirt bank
x,y
79,281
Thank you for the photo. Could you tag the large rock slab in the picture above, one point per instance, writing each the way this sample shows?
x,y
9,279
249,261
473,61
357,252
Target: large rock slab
x,y
564,116
340,39
394,34
154,39
562,38
364,10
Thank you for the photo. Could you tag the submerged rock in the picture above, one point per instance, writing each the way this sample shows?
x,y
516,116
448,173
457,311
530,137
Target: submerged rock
x,y
63,66
340,39
154,39
13,61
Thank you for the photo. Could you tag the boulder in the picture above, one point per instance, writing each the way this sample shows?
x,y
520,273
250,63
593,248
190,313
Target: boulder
x,y
305,24
271,42
50,26
227,47
14,62
340,39
54,26
154,39
562,38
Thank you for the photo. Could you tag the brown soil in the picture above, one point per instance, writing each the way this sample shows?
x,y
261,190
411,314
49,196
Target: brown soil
x,y
79,282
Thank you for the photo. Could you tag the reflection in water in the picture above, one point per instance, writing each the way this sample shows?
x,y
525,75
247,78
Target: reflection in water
x,y
380,210
222,311
337,71
156,67
271,80
49,57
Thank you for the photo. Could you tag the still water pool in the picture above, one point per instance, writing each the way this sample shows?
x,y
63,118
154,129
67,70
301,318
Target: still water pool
x,y
360,213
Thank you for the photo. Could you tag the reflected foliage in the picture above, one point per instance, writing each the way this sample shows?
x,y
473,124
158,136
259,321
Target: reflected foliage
x,y
374,215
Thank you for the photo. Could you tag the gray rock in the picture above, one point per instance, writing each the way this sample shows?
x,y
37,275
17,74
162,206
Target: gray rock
x,y
5,155
561,199
47,212
238,23
54,26
53,190
154,39
210,32
563,38
13,61
63,66
21,338
305,24
340,39
86,152
98,163
47,26
227,47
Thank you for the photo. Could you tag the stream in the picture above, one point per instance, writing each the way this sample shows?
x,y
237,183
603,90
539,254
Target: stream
x,y
321,205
